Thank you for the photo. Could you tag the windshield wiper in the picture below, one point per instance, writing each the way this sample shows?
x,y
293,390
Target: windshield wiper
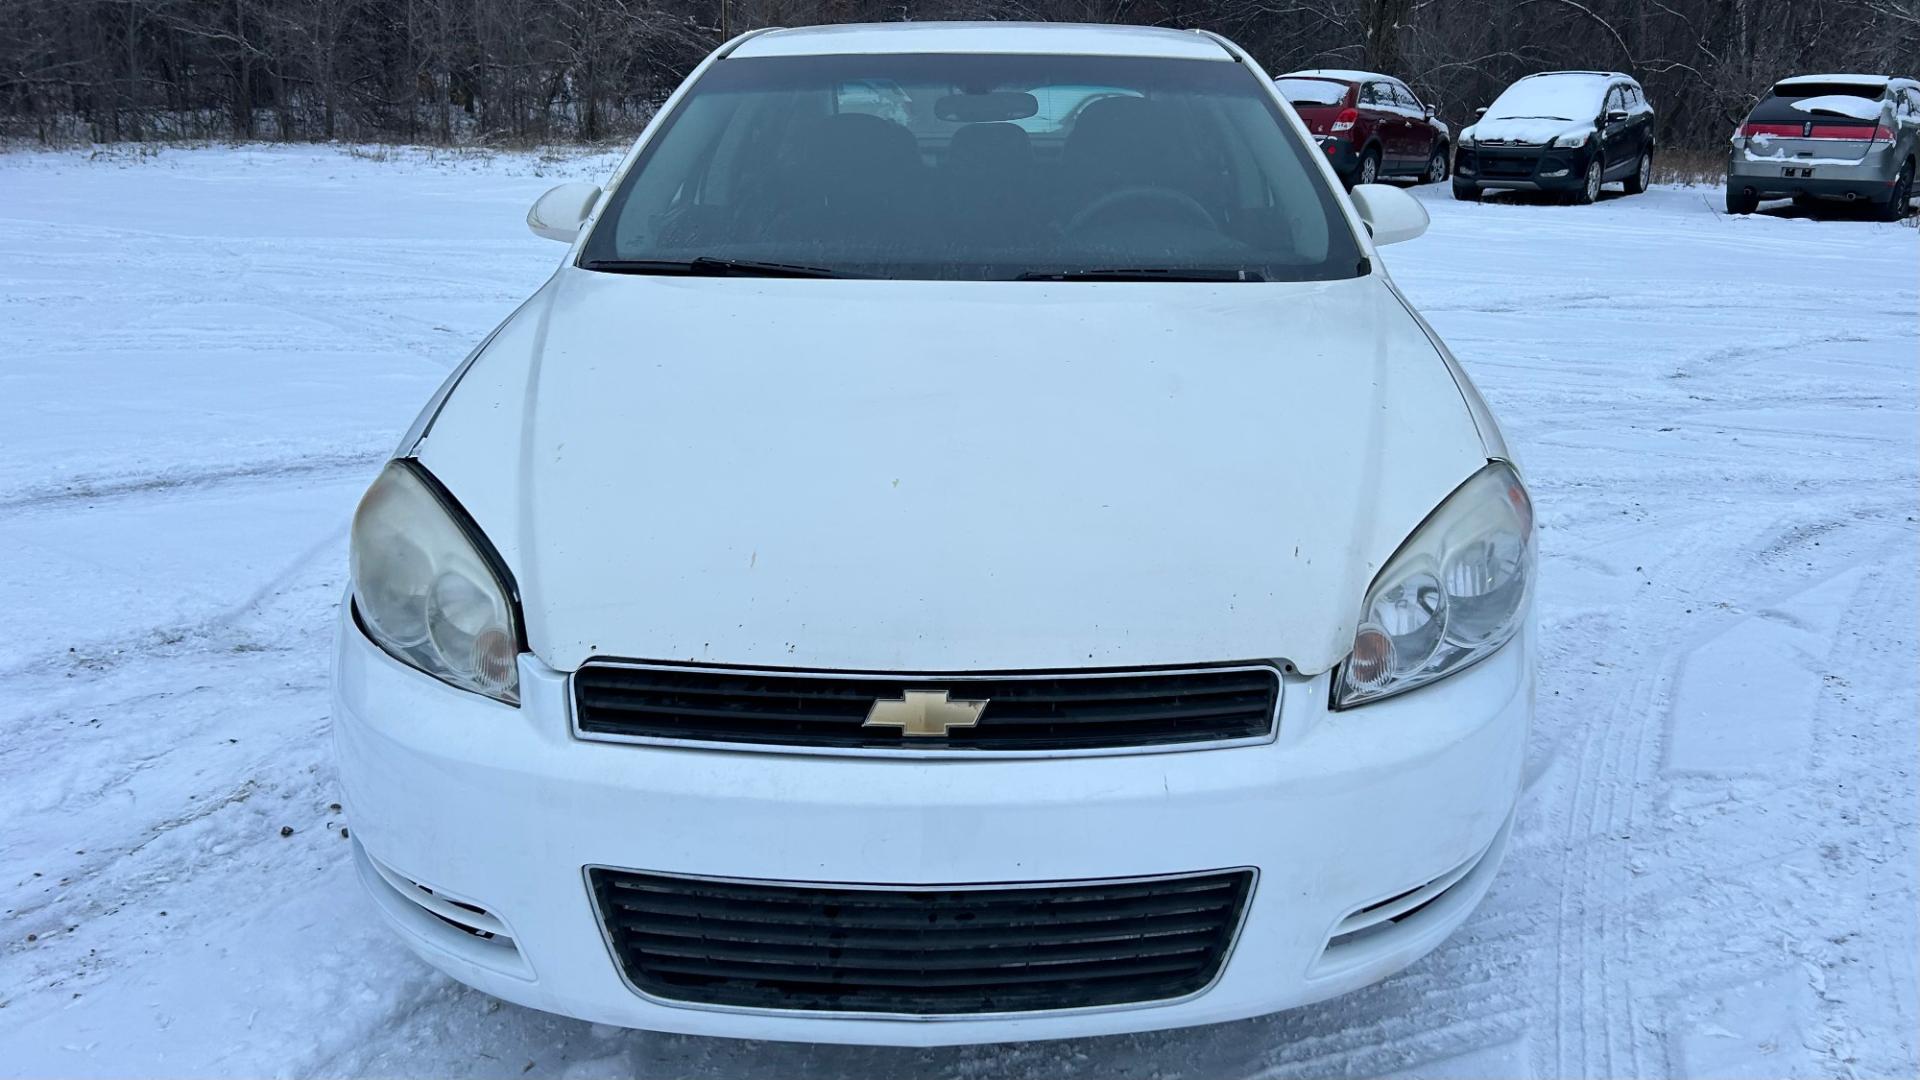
x,y
1144,273
707,266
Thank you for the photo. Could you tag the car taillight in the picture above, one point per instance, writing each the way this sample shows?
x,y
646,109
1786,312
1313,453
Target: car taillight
x,y
1850,131
1782,131
1346,120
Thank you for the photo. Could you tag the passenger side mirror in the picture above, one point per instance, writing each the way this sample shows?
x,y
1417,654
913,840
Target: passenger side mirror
x,y
1479,112
1616,117
1392,214
559,213
1429,112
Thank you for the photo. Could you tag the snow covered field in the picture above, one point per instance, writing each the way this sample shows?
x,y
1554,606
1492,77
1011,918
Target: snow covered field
x,y
205,355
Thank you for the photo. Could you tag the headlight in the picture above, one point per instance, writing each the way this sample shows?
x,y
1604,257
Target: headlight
x,y
1578,138
1454,593
427,592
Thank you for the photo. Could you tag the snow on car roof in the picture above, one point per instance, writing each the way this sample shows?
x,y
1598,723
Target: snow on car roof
x,y
1341,74
1563,95
1863,80
984,37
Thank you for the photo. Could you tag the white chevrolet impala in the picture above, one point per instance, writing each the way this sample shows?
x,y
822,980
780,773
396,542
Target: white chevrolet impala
x,y
969,545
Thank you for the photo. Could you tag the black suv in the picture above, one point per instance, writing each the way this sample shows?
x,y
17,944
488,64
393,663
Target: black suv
x,y
1566,131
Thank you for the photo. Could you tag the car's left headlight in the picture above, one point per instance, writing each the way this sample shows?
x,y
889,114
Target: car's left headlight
x,y
1455,592
1572,139
429,588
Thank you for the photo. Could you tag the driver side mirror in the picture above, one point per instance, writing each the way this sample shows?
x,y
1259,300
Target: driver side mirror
x,y
1616,117
1429,112
559,213
1391,214
1479,112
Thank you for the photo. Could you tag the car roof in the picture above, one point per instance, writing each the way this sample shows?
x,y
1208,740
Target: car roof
x,y
1337,74
1596,74
1864,80
983,37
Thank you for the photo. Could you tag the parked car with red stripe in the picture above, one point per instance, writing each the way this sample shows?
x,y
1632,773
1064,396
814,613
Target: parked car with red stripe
x,y
1370,126
1829,137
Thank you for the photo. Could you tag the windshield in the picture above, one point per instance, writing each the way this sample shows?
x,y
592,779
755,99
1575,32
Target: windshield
x,y
1551,97
981,167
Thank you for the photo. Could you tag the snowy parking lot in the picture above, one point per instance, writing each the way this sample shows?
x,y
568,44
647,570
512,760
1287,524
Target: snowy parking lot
x,y
205,356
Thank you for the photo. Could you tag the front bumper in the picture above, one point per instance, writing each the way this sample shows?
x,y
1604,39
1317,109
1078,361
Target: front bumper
x,y
1871,178
499,811
1521,168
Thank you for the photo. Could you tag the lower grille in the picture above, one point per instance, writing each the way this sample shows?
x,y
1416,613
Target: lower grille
x,y
919,952
1082,710
1507,167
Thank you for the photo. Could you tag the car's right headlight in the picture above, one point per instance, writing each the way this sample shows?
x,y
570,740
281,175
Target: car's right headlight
x,y
1455,592
425,589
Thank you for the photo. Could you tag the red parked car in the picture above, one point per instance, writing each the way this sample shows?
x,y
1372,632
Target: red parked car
x,y
1371,126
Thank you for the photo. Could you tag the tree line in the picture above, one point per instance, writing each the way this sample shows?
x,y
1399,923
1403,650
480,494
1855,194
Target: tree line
x,y
514,72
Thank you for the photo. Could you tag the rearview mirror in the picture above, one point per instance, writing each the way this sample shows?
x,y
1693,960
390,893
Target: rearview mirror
x,y
1392,214
559,213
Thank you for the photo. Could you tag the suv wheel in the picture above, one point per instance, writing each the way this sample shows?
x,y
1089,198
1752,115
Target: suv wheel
x,y
1436,165
1896,207
1369,171
1466,192
1642,177
1589,192
1741,201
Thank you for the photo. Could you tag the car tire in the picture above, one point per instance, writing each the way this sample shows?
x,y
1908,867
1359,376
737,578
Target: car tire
x,y
1642,177
1895,207
1369,169
1589,192
1436,165
1740,201
1466,192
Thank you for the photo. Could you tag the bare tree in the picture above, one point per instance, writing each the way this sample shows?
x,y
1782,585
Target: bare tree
x,y
531,70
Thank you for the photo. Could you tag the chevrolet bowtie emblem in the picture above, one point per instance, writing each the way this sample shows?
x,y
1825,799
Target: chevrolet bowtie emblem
x,y
924,713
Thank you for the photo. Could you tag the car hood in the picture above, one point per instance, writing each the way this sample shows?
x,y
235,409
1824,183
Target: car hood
x,y
921,476
1527,130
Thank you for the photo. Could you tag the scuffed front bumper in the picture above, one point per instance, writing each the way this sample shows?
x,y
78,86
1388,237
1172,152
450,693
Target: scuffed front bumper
x,y
497,812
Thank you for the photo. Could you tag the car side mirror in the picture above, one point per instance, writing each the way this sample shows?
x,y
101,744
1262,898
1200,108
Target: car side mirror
x,y
1392,214
1429,109
559,213
1479,112
1616,117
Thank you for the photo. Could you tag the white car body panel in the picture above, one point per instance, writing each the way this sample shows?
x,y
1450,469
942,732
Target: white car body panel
x,y
941,477
501,808
961,476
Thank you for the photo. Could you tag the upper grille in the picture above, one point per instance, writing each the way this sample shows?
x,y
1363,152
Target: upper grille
x,y
1068,711
919,952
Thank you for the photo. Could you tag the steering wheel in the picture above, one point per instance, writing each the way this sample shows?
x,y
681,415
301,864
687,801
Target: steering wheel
x,y
1186,205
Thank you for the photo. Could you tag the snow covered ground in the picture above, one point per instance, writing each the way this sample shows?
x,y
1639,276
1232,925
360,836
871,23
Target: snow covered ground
x,y
204,355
